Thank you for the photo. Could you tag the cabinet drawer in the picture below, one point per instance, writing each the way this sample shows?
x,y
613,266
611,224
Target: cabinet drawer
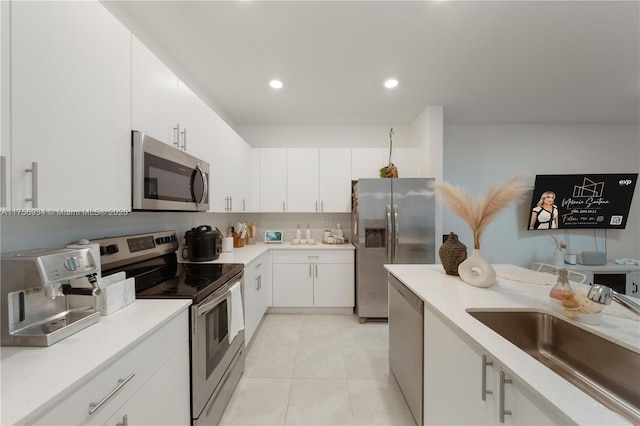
x,y
313,256
259,265
143,360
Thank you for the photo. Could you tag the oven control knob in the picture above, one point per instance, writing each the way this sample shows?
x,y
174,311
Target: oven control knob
x,y
103,250
112,249
174,239
71,263
167,239
158,240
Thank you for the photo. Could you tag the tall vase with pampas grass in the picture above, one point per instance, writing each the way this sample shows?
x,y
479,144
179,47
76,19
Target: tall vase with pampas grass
x,y
478,212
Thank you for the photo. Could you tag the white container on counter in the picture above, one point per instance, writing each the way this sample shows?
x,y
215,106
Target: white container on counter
x,y
227,244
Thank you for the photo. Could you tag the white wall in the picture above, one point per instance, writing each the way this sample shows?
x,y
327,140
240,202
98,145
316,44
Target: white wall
x,y
327,136
478,155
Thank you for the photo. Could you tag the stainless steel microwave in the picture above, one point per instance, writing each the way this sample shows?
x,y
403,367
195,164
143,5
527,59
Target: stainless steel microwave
x,y
166,178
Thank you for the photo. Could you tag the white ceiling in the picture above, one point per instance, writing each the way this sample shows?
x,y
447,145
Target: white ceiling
x,y
486,61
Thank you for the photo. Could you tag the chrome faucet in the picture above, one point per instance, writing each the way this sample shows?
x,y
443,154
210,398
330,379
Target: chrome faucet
x,y
602,294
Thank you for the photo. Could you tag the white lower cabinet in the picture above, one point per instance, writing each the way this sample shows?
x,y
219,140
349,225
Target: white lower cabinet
x,y
462,385
256,300
149,384
145,407
313,278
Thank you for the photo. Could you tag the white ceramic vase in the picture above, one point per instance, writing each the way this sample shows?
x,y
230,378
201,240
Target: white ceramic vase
x,y
476,271
558,258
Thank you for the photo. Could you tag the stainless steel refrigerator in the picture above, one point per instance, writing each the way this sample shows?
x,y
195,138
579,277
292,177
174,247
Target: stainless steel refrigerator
x,y
393,221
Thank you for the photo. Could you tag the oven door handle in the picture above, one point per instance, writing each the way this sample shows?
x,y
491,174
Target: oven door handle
x,y
206,307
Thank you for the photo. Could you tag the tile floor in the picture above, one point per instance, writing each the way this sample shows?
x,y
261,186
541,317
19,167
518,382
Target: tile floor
x,y
318,370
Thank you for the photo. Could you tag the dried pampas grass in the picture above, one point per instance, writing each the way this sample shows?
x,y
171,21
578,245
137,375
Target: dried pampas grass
x,y
479,211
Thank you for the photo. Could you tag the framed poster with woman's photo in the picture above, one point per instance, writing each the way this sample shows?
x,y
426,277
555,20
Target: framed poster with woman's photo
x,y
581,201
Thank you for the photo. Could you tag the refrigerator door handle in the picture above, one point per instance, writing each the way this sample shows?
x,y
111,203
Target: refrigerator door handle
x,y
396,233
389,243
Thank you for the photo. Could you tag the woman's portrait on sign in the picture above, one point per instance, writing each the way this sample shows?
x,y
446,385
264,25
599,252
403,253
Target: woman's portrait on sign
x,y
545,214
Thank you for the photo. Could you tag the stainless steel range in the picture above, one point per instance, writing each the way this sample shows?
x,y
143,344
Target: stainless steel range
x,y
216,337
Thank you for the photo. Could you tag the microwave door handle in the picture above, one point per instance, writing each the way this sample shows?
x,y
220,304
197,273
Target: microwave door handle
x,y
205,186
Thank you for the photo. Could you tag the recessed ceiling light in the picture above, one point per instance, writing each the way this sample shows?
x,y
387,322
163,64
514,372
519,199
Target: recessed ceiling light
x,y
276,84
391,83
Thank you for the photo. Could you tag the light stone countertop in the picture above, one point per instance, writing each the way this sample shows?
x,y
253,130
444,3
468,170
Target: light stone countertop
x,y
451,297
248,253
34,379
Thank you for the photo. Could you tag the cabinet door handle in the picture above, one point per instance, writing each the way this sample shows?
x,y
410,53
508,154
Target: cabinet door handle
x,y
316,270
176,136
258,282
503,381
283,209
485,364
121,382
184,139
3,176
34,184
244,205
310,273
322,205
316,206
125,421
634,288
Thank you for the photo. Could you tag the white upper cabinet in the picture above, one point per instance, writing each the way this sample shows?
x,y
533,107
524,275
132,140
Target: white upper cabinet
x,y
231,170
5,105
273,180
197,123
335,180
236,156
154,96
319,180
70,106
166,109
302,180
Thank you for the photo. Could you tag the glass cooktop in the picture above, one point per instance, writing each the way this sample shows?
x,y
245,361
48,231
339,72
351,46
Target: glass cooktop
x,y
164,278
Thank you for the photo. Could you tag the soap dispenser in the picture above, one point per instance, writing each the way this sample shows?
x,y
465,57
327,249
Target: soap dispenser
x,y
308,234
298,233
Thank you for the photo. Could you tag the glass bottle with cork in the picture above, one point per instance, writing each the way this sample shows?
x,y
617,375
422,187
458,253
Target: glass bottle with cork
x,y
563,292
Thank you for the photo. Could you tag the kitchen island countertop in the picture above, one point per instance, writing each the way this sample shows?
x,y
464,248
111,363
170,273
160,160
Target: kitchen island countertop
x,y
451,297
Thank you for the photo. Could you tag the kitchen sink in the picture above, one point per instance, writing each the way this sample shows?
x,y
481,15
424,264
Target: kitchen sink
x,y
605,370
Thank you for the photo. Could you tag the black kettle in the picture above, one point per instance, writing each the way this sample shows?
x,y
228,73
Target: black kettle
x,y
202,244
